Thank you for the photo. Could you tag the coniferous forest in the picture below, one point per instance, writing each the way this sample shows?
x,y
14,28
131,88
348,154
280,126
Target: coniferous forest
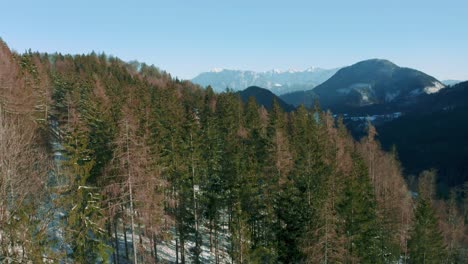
x,y
104,161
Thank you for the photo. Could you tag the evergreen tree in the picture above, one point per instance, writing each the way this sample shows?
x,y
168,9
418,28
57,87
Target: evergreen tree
x,y
254,182
177,164
426,243
84,230
212,198
357,208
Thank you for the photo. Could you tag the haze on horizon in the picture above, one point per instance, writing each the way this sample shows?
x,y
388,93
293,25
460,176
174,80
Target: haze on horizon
x,y
186,38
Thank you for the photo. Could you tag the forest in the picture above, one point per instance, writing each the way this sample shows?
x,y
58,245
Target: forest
x,y
106,161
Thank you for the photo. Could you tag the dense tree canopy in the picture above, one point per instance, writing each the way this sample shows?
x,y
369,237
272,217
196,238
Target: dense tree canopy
x,y
142,161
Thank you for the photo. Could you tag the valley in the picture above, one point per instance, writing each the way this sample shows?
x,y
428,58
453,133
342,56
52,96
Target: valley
x,y
419,100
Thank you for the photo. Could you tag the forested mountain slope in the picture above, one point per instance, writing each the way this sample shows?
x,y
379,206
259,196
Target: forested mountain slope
x,y
150,161
433,133
374,82
264,98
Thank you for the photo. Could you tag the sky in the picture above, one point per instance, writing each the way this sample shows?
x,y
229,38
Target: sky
x,y
186,38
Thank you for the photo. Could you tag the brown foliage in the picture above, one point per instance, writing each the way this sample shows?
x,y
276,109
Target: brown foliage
x,y
394,203
24,162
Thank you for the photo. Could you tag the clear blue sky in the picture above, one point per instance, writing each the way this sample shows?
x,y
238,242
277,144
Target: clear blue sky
x,y
189,37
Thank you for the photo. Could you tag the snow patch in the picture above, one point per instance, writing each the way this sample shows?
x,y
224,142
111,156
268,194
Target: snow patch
x,y
293,71
437,86
217,70
373,118
312,69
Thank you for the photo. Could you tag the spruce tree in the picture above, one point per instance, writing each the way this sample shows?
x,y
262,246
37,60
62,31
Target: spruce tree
x,y
426,244
84,229
211,200
357,208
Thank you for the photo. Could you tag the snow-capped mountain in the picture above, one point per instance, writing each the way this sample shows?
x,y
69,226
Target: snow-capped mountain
x,y
277,81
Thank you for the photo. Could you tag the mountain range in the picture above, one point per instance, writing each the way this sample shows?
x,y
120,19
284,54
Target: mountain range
x,y
278,82
411,110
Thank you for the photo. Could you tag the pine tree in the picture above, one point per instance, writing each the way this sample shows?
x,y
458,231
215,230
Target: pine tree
x,y
255,182
300,196
426,243
233,133
212,198
357,208
84,229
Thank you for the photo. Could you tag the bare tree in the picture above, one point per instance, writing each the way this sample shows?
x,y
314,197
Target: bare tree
x,y
23,164
136,185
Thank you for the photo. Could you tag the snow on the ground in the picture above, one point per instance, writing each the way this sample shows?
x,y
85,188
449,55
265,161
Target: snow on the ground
x,y
437,86
167,249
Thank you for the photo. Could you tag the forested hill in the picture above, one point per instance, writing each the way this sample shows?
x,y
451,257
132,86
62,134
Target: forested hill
x,y
433,133
106,161
373,82
264,97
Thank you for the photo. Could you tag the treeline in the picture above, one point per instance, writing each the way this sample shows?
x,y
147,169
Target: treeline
x,y
148,159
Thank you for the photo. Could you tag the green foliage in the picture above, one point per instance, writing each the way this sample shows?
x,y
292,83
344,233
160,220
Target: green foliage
x,y
426,244
265,186
357,207
84,232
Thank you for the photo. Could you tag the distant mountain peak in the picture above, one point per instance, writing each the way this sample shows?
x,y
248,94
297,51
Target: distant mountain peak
x,y
313,69
216,70
451,82
369,82
277,71
384,62
378,60
375,81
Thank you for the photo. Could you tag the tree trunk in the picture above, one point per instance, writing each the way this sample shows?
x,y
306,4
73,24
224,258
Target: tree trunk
x,y
197,246
211,235
125,240
216,245
116,260
155,248
130,188
177,251
182,251
140,237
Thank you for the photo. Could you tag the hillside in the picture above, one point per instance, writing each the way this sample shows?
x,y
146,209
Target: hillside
x,y
372,83
306,98
104,161
433,134
264,97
